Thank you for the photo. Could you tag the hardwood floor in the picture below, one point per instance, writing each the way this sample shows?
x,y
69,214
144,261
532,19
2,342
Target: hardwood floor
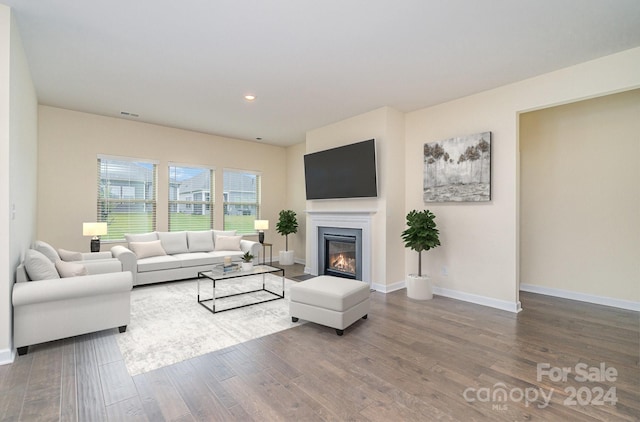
x,y
440,359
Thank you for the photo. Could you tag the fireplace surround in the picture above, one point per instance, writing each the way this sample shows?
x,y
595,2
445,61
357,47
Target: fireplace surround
x,y
340,252
354,220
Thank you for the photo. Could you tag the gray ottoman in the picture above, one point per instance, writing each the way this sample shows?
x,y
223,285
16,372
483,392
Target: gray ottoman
x,y
332,301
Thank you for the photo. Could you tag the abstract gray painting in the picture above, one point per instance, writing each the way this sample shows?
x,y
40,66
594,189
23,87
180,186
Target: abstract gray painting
x,y
458,169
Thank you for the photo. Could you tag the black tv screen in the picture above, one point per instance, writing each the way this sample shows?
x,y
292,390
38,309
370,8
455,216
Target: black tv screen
x,y
344,172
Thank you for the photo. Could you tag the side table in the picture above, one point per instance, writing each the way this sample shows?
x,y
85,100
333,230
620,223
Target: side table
x,y
266,245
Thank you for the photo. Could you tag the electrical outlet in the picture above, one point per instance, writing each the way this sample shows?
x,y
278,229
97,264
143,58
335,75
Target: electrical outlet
x,y
444,271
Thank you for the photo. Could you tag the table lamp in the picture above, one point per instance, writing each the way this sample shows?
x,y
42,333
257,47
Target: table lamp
x,y
261,225
95,230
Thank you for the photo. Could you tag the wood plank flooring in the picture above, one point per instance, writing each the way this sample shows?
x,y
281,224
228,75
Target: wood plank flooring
x,y
436,360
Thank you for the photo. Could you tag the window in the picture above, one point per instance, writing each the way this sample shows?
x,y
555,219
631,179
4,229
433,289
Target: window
x,y
126,196
191,197
241,200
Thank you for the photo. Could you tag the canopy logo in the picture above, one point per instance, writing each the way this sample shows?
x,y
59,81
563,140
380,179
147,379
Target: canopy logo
x,y
499,395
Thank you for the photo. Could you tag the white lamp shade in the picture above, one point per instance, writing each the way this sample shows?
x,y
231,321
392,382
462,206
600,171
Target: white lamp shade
x,y
94,229
261,224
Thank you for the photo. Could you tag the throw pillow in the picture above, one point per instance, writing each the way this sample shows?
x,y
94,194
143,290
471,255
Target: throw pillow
x,y
174,242
69,256
70,269
147,249
201,241
142,237
228,243
47,250
217,233
39,267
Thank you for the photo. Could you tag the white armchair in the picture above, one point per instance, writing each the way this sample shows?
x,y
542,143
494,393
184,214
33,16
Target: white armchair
x,y
52,309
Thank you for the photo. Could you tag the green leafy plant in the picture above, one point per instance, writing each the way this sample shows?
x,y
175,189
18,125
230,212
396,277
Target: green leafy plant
x,y
287,224
247,257
421,234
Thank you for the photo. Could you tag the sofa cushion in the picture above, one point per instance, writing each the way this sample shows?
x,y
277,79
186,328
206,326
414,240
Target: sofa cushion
x,y
228,243
141,237
39,267
69,256
219,256
102,266
174,242
147,249
70,269
201,241
217,233
155,263
47,250
193,259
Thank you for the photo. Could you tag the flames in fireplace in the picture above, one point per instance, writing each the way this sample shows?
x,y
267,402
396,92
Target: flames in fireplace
x,y
341,256
342,262
340,252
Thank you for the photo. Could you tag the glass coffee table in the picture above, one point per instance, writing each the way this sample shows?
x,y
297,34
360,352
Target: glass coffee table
x,y
218,275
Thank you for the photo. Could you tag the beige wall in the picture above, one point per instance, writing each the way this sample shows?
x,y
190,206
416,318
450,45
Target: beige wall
x,y
18,145
296,200
386,125
478,252
5,221
480,241
69,143
580,197
392,153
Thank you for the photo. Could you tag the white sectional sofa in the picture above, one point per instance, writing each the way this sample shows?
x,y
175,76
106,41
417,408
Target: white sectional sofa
x,y
166,256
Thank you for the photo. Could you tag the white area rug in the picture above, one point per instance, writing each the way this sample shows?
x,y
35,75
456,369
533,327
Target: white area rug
x,y
168,325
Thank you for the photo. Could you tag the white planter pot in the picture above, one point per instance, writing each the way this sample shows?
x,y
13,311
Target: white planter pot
x,y
247,266
419,287
286,258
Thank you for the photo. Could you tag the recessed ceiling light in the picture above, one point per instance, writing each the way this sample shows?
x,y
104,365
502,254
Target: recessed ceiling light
x,y
249,97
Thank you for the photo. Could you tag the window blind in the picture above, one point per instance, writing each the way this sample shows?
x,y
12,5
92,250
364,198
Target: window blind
x,y
191,197
241,200
126,196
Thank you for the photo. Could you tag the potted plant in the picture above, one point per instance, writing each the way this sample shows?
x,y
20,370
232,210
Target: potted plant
x,y
287,224
421,235
247,261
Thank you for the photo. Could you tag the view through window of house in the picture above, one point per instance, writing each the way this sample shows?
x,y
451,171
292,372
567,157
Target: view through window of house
x,y
126,196
191,198
241,200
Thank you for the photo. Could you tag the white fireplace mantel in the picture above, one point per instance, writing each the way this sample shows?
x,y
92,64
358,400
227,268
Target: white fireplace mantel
x,y
347,219
345,212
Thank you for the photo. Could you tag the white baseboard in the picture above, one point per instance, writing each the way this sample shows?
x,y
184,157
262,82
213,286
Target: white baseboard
x,y
479,300
388,288
276,260
453,294
7,356
582,297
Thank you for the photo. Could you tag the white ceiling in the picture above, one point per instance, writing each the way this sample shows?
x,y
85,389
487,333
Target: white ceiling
x,y
188,64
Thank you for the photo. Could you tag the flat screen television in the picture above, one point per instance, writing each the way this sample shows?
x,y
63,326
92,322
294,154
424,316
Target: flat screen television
x,y
348,171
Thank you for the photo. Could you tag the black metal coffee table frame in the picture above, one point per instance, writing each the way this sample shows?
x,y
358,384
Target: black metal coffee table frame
x,y
215,276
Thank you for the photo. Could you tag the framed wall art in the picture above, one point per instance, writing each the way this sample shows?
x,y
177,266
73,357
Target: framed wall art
x,y
458,169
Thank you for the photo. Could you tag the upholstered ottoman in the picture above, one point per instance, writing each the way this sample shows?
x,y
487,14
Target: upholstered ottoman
x,y
332,301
